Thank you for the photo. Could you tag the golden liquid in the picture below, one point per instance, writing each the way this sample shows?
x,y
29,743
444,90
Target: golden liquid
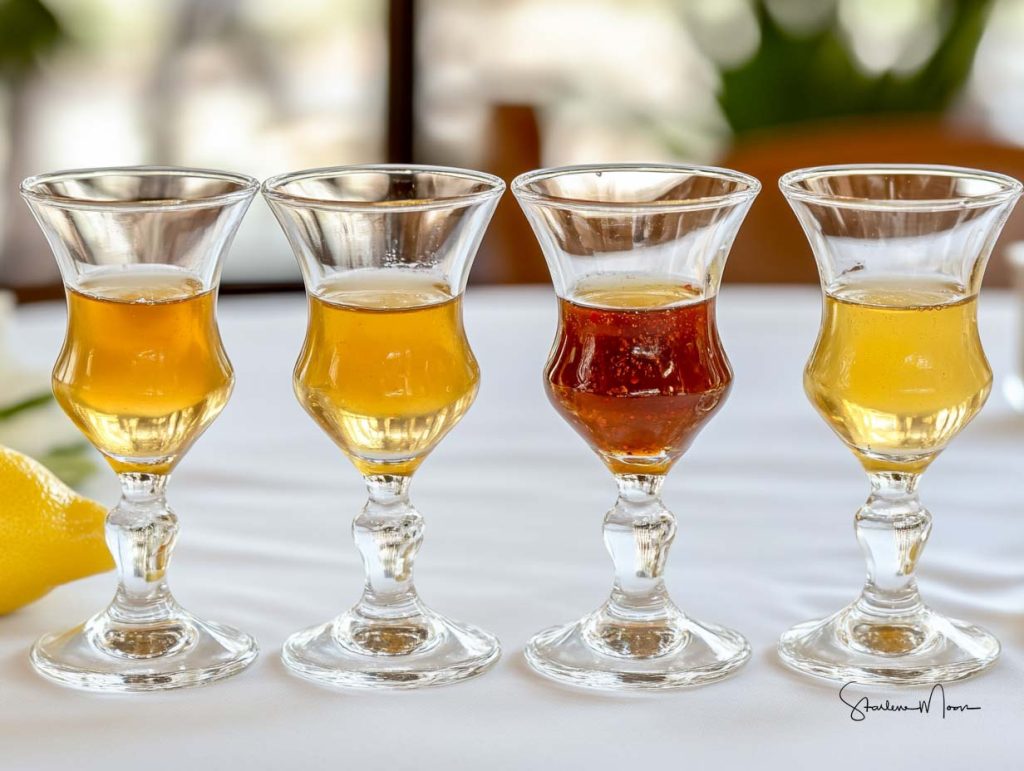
x,y
386,369
898,372
142,372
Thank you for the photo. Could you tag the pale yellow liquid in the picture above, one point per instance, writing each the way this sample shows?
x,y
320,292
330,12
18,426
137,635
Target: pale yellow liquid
x,y
898,372
142,372
386,369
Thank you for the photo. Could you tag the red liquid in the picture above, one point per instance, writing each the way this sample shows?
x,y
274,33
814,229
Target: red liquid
x,y
638,383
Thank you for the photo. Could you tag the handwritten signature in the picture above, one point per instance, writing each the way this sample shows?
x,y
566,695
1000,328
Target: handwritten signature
x,y
863,706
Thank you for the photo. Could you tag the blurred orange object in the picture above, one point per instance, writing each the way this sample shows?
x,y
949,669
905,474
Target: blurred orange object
x,y
509,253
771,248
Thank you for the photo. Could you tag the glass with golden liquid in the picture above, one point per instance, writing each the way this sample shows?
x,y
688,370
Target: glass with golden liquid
x,y
898,371
386,371
142,373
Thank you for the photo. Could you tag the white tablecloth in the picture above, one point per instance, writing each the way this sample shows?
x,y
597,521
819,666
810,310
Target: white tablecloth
x,y
514,501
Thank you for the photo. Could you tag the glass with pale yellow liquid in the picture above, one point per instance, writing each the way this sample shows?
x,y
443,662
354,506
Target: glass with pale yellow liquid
x,y
898,370
142,374
386,371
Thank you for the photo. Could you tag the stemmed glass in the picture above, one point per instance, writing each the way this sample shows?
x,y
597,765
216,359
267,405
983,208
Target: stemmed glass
x,y
636,255
142,374
386,371
898,370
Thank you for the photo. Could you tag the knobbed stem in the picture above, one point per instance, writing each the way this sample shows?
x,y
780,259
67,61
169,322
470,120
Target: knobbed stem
x,y
892,528
389,618
388,533
143,620
638,619
638,532
141,532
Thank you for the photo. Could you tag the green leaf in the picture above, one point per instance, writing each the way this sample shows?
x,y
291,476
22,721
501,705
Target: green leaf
x,y
73,463
28,29
799,78
25,404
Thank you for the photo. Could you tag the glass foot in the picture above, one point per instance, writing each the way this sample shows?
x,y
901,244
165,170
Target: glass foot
x,y
182,651
922,649
617,656
356,651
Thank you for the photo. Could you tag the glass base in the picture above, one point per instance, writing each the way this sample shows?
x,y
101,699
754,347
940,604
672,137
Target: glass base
x,y
921,649
182,651
677,653
357,651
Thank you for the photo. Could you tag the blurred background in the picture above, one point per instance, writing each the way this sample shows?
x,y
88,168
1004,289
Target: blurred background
x,y
264,86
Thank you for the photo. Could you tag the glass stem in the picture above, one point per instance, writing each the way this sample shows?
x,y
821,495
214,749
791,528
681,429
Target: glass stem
x,y
892,528
638,532
388,533
141,531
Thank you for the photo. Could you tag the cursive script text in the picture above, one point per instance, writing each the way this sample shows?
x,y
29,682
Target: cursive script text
x,y
862,707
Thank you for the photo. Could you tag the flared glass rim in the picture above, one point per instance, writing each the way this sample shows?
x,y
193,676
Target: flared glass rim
x,y
271,188
791,182
247,188
524,193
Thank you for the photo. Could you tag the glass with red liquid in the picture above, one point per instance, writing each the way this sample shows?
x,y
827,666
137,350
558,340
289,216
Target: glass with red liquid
x,y
637,369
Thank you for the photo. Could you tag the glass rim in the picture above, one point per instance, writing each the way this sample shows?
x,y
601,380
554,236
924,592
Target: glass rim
x,y
247,188
522,191
272,188
790,185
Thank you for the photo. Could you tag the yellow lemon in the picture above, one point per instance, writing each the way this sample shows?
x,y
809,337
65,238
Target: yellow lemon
x,y
49,534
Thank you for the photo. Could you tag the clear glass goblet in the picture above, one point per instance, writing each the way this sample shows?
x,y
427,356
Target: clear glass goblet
x,y
636,255
386,371
142,374
898,370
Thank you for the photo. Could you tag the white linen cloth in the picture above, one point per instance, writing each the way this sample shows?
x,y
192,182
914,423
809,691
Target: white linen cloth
x,y
513,501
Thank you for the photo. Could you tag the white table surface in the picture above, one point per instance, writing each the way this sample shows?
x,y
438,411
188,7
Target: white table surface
x,y
514,501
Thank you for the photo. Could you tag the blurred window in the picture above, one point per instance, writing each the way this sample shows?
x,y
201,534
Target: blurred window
x,y
265,86
259,86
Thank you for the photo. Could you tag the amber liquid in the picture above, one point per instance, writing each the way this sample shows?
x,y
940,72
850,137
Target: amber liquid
x,y
386,368
142,372
638,369
898,371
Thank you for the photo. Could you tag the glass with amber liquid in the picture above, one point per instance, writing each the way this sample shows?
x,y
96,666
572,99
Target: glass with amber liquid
x,y
898,371
386,371
638,370
142,373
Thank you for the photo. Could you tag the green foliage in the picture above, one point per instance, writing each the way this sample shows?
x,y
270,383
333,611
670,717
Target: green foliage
x,y
31,402
72,463
27,30
796,78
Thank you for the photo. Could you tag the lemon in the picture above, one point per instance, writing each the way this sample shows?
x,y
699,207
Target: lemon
x,y
49,534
